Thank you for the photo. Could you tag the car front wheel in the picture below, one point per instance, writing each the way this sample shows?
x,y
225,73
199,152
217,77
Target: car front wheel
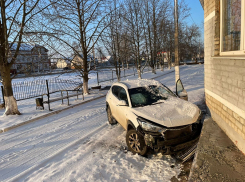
x,y
136,142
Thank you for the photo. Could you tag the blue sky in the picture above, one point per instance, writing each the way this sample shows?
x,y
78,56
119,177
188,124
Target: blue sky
x,y
196,13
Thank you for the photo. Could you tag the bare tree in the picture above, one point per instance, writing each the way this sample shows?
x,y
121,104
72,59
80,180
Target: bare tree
x,y
112,37
189,42
134,26
79,21
156,12
166,29
16,17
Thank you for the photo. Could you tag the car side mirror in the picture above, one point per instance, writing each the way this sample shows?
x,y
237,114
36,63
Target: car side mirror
x,y
182,94
180,91
122,103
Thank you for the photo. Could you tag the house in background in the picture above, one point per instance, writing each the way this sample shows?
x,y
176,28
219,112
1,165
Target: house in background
x,y
166,56
224,54
31,58
77,61
64,62
105,61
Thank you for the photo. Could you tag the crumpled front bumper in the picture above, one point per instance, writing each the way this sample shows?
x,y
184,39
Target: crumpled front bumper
x,y
168,146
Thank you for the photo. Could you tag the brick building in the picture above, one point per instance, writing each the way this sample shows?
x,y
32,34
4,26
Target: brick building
x,y
224,51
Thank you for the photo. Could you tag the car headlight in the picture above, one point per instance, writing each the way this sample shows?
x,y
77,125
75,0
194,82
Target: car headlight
x,y
148,126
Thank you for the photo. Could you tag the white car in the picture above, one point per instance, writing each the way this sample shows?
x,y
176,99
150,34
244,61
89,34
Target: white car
x,y
154,116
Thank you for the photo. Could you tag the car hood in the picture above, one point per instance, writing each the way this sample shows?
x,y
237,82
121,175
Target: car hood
x,y
172,112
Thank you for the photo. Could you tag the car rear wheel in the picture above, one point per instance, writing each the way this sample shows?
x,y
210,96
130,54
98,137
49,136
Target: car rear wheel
x,y
136,142
111,120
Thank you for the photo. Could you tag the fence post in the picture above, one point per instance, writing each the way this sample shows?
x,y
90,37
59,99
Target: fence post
x,y
112,74
67,97
98,77
62,96
133,70
124,72
3,96
48,94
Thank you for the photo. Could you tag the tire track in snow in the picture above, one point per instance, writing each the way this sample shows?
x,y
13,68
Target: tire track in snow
x,y
44,123
42,142
52,137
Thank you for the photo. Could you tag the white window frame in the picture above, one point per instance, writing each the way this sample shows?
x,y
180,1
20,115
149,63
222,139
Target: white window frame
x,y
242,41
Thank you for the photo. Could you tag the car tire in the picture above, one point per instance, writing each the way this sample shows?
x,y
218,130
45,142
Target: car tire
x,y
136,142
111,120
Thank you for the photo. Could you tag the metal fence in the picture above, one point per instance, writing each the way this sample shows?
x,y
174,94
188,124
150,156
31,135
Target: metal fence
x,y
30,89
110,75
105,75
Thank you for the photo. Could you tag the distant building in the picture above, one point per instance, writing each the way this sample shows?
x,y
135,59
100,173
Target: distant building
x,y
77,61
105,61
166,55
64,62
53,65
31,58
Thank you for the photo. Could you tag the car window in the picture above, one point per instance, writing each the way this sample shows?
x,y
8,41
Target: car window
x,y
143,96
138,99
115,90
122,94
160,90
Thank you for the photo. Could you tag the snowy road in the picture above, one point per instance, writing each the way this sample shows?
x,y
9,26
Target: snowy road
x,y
79,145
25,148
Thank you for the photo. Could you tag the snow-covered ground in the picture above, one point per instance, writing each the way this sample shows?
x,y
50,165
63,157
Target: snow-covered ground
x,y
79,145
28,107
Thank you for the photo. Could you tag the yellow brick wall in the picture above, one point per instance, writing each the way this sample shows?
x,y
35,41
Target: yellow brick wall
x,y
209,7
224,79
227,115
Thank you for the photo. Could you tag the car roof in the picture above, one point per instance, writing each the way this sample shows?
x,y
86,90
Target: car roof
x,y
139,83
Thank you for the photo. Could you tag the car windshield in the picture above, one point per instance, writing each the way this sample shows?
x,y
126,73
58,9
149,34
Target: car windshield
x,y
153,94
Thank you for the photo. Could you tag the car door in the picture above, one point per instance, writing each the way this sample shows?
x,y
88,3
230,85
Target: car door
x,y
114,100
122,110
180,90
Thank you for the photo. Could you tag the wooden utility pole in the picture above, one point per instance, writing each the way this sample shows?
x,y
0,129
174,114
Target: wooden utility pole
x,y
176,38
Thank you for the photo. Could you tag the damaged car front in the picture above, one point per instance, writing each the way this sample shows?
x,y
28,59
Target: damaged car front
x,y
170,140
168,124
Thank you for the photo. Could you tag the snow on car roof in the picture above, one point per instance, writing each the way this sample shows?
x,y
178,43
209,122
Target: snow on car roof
x,y
140,83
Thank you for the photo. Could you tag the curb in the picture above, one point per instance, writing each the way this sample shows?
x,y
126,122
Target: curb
x,y
58,111
194,163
